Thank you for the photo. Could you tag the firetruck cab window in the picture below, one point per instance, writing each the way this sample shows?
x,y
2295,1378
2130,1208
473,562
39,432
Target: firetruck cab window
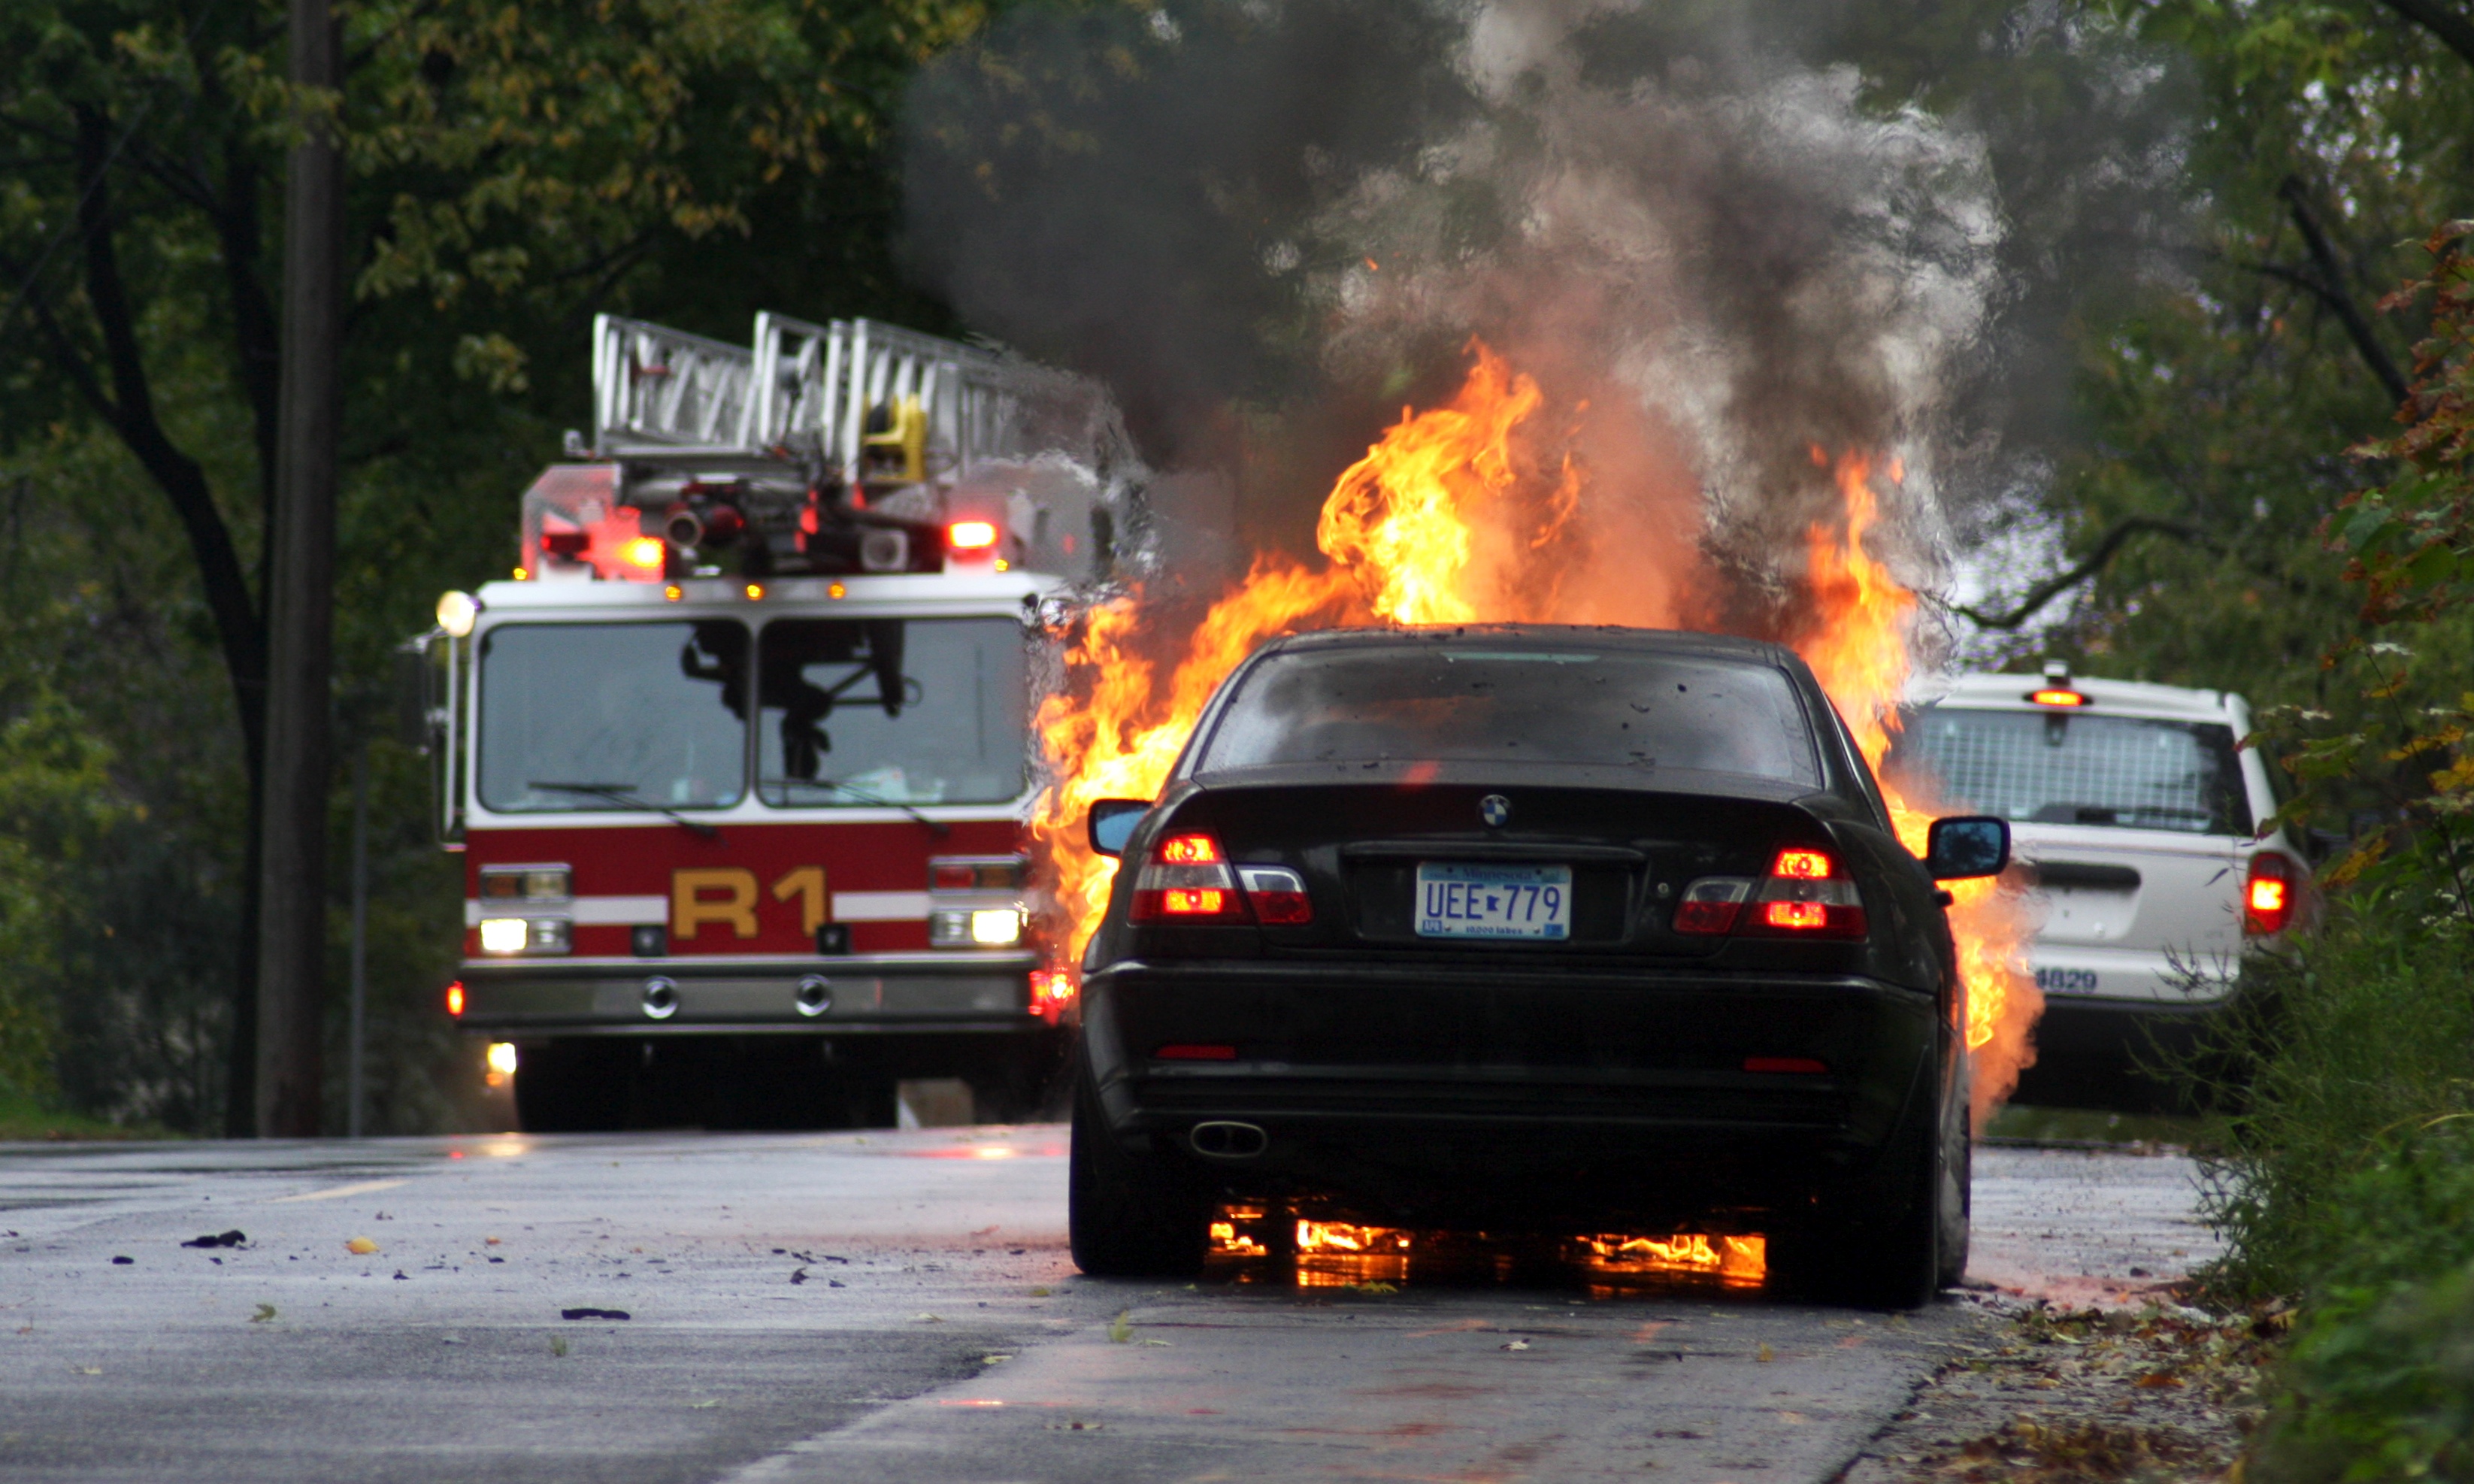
x,y
613,716
861,713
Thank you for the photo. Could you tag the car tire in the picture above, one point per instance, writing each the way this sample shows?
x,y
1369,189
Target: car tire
x,y
1958,1203
1877,1243
1128,1215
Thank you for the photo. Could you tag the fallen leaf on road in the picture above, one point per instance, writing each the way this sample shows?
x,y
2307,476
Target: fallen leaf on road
x,y
265,1312
85,1370
489,1241
558,1345
701,1405
1765,1353
927,1319
360,1247
1516,1344
2156,1379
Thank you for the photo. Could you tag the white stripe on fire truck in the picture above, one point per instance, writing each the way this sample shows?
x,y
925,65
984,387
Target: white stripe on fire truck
x,y
628,911
880,906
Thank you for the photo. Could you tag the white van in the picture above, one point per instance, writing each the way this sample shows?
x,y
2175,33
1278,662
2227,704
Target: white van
x,y
2135,811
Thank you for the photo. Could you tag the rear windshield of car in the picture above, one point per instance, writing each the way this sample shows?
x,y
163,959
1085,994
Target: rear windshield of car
x,y
1422,702
2052,768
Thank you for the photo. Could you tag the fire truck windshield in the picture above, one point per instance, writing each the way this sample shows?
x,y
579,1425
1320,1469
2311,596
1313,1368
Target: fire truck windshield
x,y
613,716
859,713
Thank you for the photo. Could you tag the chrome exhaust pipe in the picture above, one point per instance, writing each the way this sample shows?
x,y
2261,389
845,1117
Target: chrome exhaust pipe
x,y
1224,1139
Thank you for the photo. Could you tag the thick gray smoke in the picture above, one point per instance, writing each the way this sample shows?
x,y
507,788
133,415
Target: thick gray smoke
x,y
1720,241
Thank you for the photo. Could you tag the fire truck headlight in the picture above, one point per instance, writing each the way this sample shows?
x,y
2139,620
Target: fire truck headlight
x,y
525,934
456,613
996,927
505,935
979,927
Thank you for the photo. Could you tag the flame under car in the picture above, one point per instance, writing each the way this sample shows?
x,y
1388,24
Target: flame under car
x,y
1529,926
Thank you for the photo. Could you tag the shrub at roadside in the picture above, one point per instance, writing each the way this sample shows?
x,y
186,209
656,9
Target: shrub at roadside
x,y
2343,1168
2357,1057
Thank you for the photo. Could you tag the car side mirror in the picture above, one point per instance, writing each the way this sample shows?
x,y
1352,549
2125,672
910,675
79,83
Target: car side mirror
x,y
1111,823
1966,846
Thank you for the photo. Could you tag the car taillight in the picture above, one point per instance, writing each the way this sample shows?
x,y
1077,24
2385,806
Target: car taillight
x,y
455,998
2268,896
1277,894
1187,880
1806,895
1711,904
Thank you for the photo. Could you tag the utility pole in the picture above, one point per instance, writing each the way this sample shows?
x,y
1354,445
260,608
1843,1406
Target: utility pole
x,y
299,597
360,960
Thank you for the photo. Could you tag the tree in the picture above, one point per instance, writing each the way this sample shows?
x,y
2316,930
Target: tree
x,y
509,170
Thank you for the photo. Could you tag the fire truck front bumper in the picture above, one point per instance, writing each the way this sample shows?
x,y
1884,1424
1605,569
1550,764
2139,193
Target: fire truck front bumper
x,y
909,994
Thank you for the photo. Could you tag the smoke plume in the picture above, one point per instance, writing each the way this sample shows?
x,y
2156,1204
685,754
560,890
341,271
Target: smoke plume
x,y
1720,238
1758,260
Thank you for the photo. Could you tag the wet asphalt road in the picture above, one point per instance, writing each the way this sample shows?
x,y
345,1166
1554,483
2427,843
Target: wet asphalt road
x,y
898,1306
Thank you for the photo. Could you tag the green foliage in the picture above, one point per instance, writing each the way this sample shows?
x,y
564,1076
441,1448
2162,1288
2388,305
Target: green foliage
x,y
2379,1383
2406,543
2223,402
512,170
56,807
2344,1055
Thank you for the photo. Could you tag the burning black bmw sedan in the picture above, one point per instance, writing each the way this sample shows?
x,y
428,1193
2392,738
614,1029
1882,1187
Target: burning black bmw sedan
x,y
1529,929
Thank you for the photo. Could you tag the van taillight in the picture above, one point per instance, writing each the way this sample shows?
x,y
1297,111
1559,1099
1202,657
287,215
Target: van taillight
x,y
2268,896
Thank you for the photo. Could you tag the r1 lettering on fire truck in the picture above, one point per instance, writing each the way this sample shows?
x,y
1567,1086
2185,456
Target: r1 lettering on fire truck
x,y
713,894
807,882
726,894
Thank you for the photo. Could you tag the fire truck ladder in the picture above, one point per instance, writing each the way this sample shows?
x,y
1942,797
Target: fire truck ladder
x,y
841,391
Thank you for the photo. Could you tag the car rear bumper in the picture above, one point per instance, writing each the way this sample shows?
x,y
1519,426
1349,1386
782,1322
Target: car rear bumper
x,y
2079,973
862,994
1513,1093
2117,1054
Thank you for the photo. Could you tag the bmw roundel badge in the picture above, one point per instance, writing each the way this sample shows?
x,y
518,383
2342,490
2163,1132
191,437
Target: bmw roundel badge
x,y
1496,810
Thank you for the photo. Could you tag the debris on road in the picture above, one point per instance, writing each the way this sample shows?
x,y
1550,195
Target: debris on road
x,y
2037,1394
124,1262
594,1314
233,1238
360,1247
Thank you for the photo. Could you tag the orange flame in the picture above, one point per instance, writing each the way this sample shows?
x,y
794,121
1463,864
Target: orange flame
x,y
1737,1261
1443,522
1856,644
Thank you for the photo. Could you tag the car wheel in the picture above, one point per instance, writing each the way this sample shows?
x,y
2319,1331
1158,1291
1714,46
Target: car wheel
x,y
1877,1244
1128,1215
1958,1178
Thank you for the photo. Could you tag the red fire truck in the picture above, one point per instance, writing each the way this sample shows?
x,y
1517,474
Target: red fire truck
x,y
740,761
